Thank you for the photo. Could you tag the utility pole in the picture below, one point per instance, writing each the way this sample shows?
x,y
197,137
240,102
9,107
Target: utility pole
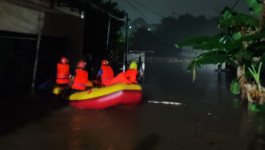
x,y
126,40
39,28
108,32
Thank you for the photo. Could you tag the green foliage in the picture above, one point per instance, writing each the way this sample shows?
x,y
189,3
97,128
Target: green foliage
x,y
209,46
256,74
225,39
254,46
226,14
224,48
255,5
235,87
239,20
236,36
211,57
262,59
243,55
257,107
238,42
259,48
190,41
217,42
253,37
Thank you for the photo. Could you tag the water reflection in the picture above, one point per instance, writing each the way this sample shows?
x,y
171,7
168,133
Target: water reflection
x,y
208,102
104,129
209,118
255,130
149,142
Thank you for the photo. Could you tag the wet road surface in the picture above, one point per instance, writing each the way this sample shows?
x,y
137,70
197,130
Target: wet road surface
x,y
209,118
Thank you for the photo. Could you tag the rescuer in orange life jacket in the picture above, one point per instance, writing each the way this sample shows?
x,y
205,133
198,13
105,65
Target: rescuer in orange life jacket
x,y
106,73
63,73
81,77
128,77
131,73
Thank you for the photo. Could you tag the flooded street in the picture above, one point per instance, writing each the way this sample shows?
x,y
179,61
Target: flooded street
x,y
209,117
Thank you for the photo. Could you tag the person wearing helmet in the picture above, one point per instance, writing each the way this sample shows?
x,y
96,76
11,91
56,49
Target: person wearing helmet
x,y
128,77
106,73
63,73
81,77
131,73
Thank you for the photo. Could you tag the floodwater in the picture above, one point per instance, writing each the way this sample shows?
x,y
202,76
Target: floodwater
x,y
209,118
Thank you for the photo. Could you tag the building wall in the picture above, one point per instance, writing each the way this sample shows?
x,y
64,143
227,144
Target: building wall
x,y
62,35
20,19
69,27
17,19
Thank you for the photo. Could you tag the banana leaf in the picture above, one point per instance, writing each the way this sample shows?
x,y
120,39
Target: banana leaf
x,y
243,54
250,39
211,57
190,41
226,13
239,20
217,42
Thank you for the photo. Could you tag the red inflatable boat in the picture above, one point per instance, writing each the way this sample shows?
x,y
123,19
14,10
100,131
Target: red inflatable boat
x,y
101,98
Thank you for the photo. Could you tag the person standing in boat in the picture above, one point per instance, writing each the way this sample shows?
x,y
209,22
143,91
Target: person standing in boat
x,y
63,73
105,73
129,77
81,77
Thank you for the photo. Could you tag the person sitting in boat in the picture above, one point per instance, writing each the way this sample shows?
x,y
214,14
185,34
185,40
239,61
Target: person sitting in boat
x,y
63,73
105,73
131,73
129,77
81,77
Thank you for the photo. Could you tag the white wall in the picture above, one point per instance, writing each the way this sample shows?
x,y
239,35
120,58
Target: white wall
x,y
17,18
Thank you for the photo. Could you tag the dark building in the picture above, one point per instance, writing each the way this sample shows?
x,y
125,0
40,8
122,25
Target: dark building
x,y
61,30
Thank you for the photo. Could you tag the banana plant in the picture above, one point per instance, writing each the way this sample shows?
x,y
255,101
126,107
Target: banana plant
x,y
239,41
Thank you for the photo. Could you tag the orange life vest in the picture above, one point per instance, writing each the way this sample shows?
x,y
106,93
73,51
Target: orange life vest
x,y
131,74
107,75
62,73
80,79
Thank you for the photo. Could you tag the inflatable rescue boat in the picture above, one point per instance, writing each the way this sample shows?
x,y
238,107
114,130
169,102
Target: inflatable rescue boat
x,y
105,97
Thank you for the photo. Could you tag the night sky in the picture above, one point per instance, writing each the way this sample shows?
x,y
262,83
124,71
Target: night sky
x,y
153,10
